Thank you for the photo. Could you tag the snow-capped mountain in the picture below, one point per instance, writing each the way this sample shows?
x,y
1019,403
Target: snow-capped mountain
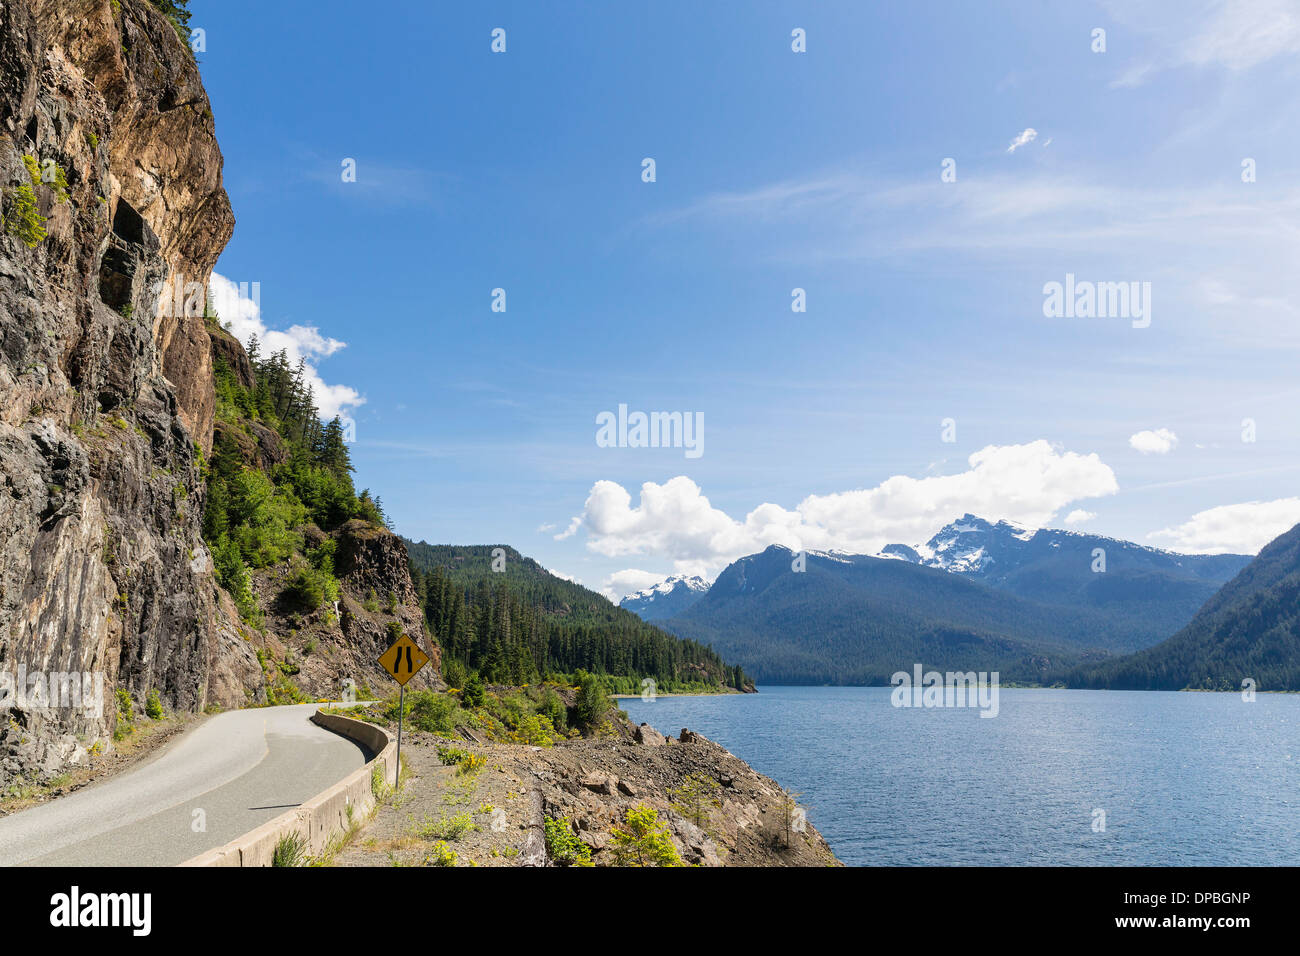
x,y
669,597
1025,561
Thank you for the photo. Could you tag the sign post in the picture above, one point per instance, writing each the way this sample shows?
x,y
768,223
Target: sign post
x,y
403,661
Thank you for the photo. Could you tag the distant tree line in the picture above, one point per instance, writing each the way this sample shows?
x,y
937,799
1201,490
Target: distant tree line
x,y
524,625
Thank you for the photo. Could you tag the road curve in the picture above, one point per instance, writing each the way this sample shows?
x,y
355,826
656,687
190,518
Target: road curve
x,y
240,769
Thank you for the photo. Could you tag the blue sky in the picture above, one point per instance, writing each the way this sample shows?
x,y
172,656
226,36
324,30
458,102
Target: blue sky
x,y
776,170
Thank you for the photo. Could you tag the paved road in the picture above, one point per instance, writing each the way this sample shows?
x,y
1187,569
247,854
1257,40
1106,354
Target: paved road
x,y
240,769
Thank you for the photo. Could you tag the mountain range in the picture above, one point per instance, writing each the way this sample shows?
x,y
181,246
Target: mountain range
x,y
1035,605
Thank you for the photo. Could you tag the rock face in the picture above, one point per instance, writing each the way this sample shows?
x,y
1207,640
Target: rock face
x,y
334,646
106,381
103,573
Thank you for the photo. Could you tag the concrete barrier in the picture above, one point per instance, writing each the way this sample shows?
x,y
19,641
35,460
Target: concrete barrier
x,y
325,815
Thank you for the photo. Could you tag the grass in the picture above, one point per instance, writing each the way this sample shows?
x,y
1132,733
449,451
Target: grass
x,y
290,851
385,793
460,792
445,828
339,842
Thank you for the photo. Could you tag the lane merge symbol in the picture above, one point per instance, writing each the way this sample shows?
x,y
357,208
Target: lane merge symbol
x,y
403,660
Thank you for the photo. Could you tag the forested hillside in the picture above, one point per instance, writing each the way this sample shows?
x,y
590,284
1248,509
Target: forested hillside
x,y
275,467
312,568
522,624
1249,630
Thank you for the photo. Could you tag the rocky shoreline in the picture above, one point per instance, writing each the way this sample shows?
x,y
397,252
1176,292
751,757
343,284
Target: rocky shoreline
x,y
713,808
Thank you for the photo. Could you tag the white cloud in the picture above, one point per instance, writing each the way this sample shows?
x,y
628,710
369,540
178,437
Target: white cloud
x,y
1026,484
1159,442
1239,529
1023,138
244,314
571,530
1079,516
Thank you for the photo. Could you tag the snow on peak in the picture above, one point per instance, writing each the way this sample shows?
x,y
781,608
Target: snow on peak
x,y
669,584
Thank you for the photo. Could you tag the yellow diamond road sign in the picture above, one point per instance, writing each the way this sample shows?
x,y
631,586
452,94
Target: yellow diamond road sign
x,y
403,660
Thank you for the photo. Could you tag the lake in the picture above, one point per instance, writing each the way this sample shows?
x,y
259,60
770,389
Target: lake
x,y
1182,778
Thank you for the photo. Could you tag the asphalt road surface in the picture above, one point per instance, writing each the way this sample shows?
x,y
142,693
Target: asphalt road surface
x,y
230,774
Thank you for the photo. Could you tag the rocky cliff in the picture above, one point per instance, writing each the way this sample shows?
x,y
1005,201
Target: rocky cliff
x,y
114,215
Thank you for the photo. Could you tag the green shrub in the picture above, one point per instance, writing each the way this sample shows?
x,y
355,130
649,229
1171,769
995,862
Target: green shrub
x,y
22,218
432,712
695,797
562,844
474,693
59,184
643,840
442,855
235,578
592,706
552,708
309,587
153,706
536,730
453,672
125,714
464,761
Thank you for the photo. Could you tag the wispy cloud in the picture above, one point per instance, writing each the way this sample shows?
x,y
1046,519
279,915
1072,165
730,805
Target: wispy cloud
x,y
1203,242
1234,35
1024,138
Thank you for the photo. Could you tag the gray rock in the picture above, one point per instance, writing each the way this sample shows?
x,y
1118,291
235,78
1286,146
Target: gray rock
x,y
647,735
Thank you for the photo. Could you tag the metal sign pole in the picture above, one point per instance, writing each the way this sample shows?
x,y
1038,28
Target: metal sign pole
x,y
401,714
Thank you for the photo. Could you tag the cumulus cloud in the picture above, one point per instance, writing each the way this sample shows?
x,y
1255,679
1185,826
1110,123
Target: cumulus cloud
x,y
1026,484
1238,529
235,306
1159,442
1079,516
1023,139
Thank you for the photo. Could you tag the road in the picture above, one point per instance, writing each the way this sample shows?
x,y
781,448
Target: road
x,y
228,775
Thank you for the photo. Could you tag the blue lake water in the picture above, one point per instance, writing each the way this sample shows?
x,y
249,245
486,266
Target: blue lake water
x,y
1183,778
